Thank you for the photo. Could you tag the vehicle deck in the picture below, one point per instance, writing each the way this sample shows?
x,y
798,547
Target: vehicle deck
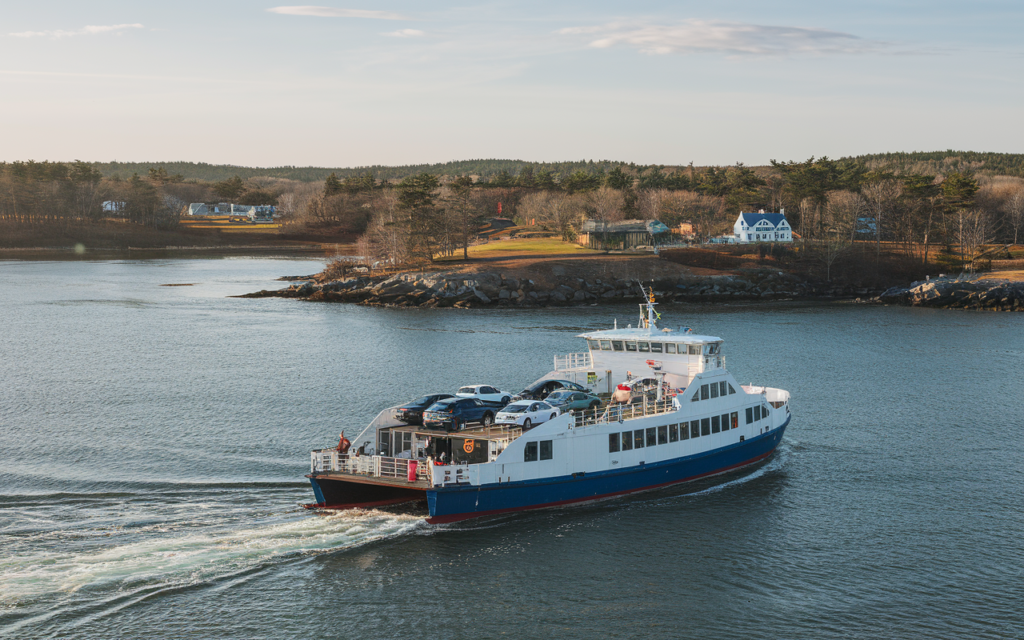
x,y
493,432
365,478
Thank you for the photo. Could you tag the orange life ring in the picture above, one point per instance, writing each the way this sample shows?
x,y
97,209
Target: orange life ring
x,y
468,446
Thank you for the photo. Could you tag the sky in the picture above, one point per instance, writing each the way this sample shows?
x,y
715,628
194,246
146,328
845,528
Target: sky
x,y
648,81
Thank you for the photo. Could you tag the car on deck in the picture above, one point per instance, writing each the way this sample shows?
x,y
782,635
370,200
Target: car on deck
x,y
526,413
412,412
485,392
565,400
542,388
453,414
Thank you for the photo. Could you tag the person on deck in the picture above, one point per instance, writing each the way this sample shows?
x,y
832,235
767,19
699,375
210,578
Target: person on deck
x,y
343,444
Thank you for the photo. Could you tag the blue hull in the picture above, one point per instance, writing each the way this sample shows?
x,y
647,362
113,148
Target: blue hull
x,y
451,504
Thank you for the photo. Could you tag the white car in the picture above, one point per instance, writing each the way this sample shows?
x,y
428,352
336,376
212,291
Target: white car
x,y
485,393
526,413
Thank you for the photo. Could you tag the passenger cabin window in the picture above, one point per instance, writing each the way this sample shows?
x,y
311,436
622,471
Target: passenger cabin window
x,y
721,388
545,449
684,430
663,435
652,437
704,393
714,389
530,452
617,345
630,346
694,428
644,346
757,413
734,418
716,426
655,347
673,433
613,443
696,395
670,347
627,440
638,439
725,422
606,345
705,426
750,415
731,390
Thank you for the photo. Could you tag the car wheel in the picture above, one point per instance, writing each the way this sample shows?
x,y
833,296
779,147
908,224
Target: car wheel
x,y
505,400
488,420
553,416
527,424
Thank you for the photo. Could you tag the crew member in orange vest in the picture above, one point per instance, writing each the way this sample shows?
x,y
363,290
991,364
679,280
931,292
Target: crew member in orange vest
x,y
343,444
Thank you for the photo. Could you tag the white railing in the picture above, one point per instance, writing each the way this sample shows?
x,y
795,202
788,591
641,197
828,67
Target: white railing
x,y
623,412
572,361
329,460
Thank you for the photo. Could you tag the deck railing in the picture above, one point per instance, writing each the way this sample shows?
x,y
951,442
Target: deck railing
x,y
330,460
623,412
572,361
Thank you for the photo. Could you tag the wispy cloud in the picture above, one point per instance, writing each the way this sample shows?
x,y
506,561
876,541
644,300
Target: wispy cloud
x,y
730,38
405,33
87,30
333,12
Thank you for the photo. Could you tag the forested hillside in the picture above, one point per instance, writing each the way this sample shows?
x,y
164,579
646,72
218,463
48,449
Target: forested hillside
x,y
942,162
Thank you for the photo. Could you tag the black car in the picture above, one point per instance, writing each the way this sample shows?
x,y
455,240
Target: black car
x,y
540,389
412,412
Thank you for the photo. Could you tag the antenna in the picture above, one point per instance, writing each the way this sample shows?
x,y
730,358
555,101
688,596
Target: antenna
x,y
650,321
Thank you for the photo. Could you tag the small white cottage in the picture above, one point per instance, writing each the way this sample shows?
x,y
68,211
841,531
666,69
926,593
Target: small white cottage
x,y
762,227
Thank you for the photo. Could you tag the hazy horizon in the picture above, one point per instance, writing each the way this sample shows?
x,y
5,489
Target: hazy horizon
x,y
353,85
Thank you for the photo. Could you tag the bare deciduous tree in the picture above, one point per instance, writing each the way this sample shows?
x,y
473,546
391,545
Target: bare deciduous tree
x,y
882,198
973,229
1014,210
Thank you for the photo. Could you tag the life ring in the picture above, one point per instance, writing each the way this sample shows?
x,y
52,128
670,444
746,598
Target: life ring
x,y
468,446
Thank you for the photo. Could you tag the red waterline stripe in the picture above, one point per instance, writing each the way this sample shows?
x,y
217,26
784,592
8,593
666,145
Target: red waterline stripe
x,y
458,517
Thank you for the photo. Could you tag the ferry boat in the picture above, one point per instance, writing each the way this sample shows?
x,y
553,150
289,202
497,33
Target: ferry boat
x,y
686,418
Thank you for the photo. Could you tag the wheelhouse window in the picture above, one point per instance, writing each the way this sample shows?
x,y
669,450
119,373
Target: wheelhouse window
x,y
655,347
613,443
606,345
630,346
627,440
693,349
617,345
644,346
530,452
673,433
594,345
545,450
638,439
716,425
670,347
705,426
663,435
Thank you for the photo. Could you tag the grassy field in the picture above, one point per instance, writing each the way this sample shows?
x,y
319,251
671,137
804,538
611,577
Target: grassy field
x,y
526,247
223,223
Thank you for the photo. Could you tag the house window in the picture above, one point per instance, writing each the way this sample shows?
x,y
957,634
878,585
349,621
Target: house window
x,y
704,392
663,435
630,346
530,452
750,415
670,347
716,426
638,439
714,389
655,347
694,429
652,436
734,418
617,345
627,440
545,450
643,346
606,345
613,443
673,433
705,426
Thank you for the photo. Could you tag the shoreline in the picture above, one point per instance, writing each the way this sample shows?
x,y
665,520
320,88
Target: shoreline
x,y
71,253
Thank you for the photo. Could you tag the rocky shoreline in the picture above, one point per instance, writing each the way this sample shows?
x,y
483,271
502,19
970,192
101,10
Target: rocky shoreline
x,y
992,295
493,289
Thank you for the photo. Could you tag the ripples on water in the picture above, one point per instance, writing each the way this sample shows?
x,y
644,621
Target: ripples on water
x,y
154,441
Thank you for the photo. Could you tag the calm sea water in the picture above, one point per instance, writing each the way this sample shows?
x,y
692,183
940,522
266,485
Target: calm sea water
x,y
153,442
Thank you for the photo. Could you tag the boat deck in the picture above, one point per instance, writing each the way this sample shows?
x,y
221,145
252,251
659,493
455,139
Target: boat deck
x,y
493,432
383,481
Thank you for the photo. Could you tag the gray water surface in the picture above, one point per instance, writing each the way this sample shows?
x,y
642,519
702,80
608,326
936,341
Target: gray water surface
x,y
153,442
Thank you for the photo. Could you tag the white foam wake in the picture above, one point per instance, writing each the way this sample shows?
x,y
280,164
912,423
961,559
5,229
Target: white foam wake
x,y
168,560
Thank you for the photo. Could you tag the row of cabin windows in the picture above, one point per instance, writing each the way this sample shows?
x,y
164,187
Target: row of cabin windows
x,y
649,347
756,413
653,436
532,449
712,390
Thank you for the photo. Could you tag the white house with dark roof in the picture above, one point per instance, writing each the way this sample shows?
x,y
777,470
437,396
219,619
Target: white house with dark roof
x,y
762,227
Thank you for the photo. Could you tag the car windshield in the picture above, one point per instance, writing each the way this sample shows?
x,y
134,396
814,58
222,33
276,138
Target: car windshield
x,y
424,400
516,407
441,405
559,395
469,390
